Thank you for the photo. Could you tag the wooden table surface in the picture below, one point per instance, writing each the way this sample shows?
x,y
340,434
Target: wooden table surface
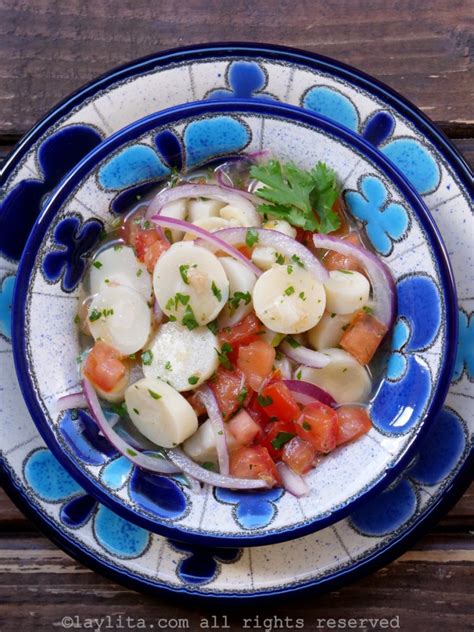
x,y
48,48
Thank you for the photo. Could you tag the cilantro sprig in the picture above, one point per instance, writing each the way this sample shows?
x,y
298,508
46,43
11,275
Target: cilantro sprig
x,y
302,198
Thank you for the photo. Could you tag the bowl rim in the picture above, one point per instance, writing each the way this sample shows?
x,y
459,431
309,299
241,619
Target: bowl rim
x,y
131,132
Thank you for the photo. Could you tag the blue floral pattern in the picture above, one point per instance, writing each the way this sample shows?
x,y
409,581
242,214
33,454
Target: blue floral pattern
x,y
465,353
385,221
75,242
200,566
57,155
252,510
245,80
6,300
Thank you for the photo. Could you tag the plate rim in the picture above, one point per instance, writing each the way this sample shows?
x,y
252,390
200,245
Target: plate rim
x,y
176,115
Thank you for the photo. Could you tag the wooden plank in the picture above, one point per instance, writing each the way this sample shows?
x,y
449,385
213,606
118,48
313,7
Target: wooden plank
x,y
40,585
49,49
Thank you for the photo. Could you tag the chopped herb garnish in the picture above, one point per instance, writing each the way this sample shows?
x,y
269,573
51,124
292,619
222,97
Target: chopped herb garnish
x,y
95,315
77,319
293,342
147,357
168,366
154,394
132,356
216,291
208,465
297,260
97,264
282,437
146,223
213,326
136,411
170,304
289,269
168,235
346,271
279,258
367,309
264,401
107,312
118,247
345,327
302,198
277,339
181,298
189,320
306,425
290,290
119,409
139,272
222,355
172,319
234,301
131,452
183,270
302,296
299,375
194,379
333,315
251,237
242,395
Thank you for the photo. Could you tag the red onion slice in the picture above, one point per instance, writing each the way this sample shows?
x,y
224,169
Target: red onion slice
x,y
204,235
211,191
292,481
145,461
282,243
189,467
74,400
383,286
303,355
208,399
306,393
157,312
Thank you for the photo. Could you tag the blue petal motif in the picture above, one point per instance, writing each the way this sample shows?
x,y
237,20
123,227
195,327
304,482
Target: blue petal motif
x,y
415,162
386,512
6,299
378,128
48,478
200,566
118,536
170,148
115,474
247,80
397,362
158,495
465,352
76,512
131,166
441,449
419,302
57,155
214,137
384,221
75,243
253,510
332,104
83,437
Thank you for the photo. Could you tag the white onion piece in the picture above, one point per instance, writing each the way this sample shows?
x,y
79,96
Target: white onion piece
x,y
145,461
188,466
383,286
303,355
292,481
74,400
206,236
208,399
282,244
211,191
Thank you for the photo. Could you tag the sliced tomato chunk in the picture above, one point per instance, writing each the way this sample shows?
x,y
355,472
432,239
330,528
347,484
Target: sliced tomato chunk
x,y
300,455
276,435
277,401
242,333
254,462
363,336
255,360
318,425
243,428
104,366
228,389
245,250
256,411
352,423
335,261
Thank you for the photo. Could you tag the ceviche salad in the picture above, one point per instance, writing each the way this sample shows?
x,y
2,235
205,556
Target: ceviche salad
x,y
231,326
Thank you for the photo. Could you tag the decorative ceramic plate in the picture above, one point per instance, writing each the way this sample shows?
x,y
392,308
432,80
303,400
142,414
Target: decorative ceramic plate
x,y
395,222
387,523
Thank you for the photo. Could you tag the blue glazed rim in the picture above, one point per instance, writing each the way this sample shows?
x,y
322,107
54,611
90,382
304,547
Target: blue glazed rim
x,y
59,196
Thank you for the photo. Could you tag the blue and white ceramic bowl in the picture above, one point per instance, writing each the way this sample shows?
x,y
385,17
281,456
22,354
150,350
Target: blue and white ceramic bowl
x,y
395,221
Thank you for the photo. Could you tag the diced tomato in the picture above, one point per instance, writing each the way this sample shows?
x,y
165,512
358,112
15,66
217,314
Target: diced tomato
x,y
335,261
227,387
339,208
243,332
276,435
352,423
318,425
363,336
104,366
300,455
245,250
196,403
243,428
254,462
154,252
256,411
277,401
255,360
149,246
